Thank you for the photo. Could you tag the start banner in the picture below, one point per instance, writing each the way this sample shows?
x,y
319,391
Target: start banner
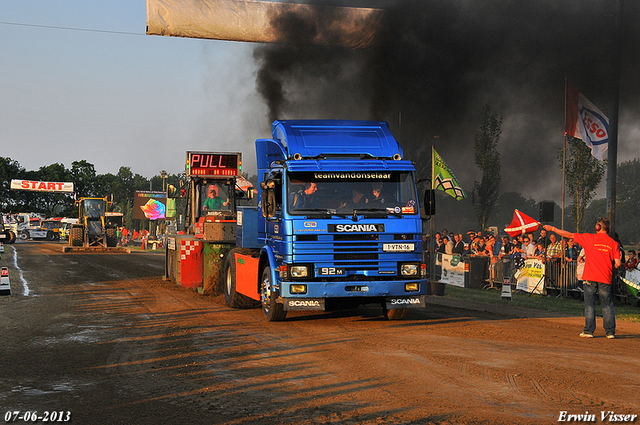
x,y
42,186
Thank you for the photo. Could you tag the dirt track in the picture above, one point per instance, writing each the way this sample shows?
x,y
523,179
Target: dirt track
x,y
104,337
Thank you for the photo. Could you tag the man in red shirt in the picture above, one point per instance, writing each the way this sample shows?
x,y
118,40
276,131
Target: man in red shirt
x,y
602,253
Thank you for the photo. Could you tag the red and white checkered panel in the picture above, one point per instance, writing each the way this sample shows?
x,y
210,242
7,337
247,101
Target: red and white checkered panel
x,y
187,247
191,263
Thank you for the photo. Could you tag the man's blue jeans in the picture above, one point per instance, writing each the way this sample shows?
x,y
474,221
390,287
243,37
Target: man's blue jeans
x,y
606,301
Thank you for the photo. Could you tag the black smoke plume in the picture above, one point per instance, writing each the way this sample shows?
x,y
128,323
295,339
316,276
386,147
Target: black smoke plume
x,y
436,64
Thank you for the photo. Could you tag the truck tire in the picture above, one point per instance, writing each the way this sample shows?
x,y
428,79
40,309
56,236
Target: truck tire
x,y
24,235
232,298
273,311
50,235
76,236
112,237
393,314
11,237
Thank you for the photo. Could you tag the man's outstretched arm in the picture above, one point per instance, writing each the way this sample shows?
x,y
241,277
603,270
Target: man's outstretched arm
x,y
557,231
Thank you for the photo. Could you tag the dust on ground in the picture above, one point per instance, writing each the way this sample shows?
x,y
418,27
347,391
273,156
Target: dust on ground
x,y
104,337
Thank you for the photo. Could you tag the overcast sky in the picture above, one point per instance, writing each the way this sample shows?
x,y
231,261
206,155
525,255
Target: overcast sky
x,y
80,80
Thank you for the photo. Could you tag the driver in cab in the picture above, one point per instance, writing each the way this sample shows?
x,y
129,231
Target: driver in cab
x,y
377,196
214,201
304,197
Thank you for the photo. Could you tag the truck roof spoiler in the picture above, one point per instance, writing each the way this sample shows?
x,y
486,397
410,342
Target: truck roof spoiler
x,y
310,139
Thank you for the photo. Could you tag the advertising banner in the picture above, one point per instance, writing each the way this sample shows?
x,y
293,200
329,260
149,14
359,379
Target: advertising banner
x,y
149,205
531,276
452,270
632,280
42,186
256,21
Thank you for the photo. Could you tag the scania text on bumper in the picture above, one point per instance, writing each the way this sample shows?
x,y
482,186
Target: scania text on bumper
x,y
319,303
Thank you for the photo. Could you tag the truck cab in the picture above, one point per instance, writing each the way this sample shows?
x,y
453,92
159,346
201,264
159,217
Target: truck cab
x,y
51,228
339,221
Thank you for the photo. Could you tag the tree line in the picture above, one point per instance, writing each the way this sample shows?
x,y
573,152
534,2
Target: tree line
x,y
87,183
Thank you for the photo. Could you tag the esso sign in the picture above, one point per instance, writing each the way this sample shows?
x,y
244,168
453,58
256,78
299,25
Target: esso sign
x,y
594,125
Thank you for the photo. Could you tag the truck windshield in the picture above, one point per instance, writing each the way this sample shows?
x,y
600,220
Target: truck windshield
x,y
346,192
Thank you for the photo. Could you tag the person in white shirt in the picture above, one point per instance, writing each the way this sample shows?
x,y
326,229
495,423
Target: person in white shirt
x,y
448,249
528,247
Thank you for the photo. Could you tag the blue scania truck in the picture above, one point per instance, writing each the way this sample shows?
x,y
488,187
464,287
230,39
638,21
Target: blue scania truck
x,y
337,223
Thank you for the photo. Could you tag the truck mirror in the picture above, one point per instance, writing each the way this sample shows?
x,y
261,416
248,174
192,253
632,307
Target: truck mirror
x,y
429,202
268,204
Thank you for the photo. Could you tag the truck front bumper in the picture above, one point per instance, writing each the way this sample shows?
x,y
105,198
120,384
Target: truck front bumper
x,y
395,293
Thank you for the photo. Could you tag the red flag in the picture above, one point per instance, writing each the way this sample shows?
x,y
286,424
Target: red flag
x,y
521,224
572,112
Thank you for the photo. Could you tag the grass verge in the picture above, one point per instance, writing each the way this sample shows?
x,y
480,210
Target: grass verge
x,y
559,305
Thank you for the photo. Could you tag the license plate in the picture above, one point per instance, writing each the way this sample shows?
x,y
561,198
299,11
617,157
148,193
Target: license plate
x,y
331,271
398,247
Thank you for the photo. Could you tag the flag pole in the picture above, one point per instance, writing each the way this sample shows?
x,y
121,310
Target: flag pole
x,y
564,163
432,224
564,151
612,151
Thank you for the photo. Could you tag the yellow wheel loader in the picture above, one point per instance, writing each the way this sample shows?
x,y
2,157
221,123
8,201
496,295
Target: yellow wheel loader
x,y
94,230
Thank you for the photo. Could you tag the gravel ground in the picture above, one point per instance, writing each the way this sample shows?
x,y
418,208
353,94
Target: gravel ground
x,y
104,339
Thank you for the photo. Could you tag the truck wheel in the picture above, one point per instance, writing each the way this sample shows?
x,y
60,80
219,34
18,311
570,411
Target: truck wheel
x,y
273,311
24,235
50,236
394,314
11,237
231,297
112,237
76,236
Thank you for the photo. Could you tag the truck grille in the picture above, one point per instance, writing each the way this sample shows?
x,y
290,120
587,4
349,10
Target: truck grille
x,y
359,254
366,256
356,237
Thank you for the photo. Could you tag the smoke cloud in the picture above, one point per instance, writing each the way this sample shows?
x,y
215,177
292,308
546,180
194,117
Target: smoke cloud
x,y
436,64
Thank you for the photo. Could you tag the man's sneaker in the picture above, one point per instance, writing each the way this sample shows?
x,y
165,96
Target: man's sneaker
x,y
584,335
611,336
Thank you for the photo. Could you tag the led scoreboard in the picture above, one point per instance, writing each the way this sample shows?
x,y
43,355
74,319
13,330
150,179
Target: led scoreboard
x,y
210,164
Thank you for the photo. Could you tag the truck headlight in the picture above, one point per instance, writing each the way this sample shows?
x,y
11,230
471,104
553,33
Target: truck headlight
x,y
409,269
298,271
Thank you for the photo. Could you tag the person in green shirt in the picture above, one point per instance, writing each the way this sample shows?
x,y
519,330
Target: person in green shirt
x,y
214,201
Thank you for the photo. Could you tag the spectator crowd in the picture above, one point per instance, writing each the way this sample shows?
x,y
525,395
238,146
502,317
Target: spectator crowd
x,y
540,245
